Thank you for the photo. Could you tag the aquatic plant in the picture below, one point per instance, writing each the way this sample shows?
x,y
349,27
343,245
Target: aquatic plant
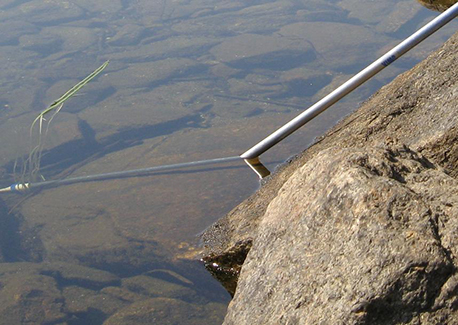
x,y
30,169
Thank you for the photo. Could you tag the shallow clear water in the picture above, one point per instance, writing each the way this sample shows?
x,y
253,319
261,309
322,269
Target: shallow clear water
x,y
187,80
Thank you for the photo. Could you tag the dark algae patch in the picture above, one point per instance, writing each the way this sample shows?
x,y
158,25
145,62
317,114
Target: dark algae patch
x,y
226,268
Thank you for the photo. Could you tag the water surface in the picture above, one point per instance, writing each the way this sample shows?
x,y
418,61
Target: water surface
x,y
187,80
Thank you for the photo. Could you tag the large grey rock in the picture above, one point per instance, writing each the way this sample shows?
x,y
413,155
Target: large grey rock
x,y
361,227
349,239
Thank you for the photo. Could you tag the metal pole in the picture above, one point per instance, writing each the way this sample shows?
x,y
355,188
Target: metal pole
x,y
22,187
253,153
251,156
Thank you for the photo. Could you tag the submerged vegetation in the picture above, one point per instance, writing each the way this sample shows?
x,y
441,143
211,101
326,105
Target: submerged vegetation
x,y
30,168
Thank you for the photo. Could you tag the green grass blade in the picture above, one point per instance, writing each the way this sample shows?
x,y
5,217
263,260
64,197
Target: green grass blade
x,y
72,91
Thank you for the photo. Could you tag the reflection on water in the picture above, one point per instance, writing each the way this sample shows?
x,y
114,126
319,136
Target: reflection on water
x,y
188,80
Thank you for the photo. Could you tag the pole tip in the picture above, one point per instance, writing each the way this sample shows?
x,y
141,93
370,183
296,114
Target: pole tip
x,y
256,165
17,187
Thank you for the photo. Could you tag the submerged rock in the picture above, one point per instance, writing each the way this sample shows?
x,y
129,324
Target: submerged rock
x,y
34,299
361,227
50,12
251,51
166,311
13,30
65,293
41,293
329,40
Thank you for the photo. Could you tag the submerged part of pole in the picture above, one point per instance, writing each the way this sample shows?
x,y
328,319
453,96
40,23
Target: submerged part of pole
x,y
23,187
251,156
256,165
349,86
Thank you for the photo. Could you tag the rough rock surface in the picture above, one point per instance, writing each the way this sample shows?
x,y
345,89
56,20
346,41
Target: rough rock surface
x,y
360,228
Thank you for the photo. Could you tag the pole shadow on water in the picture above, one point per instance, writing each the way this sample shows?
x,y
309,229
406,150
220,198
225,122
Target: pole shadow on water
x,y
73,154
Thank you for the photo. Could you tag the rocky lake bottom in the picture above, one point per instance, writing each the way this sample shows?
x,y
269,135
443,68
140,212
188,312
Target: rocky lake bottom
x,y
187,80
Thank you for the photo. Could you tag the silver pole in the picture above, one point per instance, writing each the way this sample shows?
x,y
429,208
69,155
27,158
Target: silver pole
x,y
22,187
251,156
350,85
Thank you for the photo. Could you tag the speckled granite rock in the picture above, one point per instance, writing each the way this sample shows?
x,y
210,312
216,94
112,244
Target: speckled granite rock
x,y
349,239
360,228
